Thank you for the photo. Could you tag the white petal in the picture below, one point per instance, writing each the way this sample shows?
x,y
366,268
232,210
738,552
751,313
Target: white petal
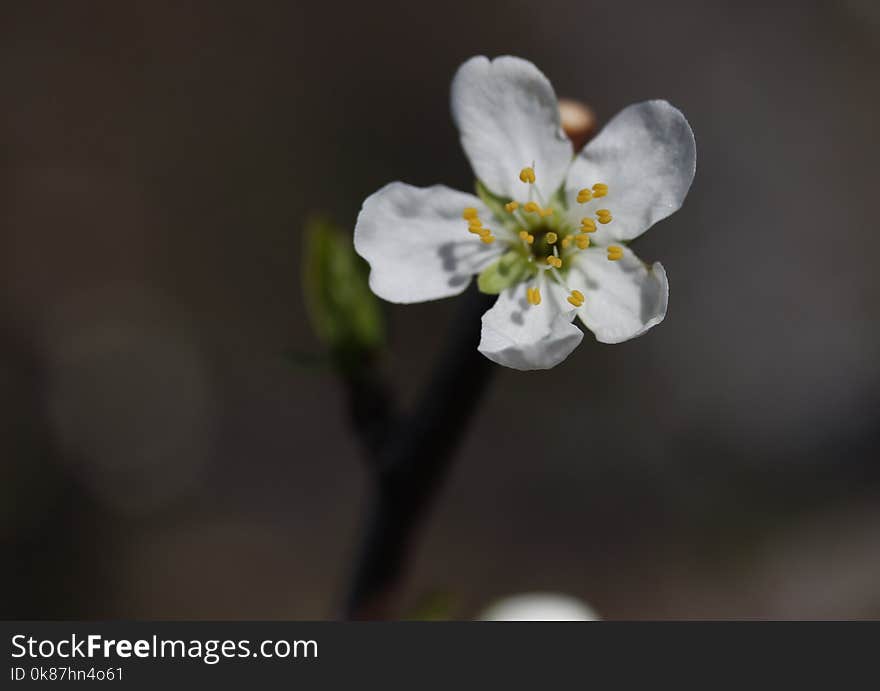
x,y
623,298
523,336
539,607
647,157
418,244
508,118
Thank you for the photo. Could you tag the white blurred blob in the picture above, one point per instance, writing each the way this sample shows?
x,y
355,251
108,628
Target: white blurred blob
x,y
539,607
129,400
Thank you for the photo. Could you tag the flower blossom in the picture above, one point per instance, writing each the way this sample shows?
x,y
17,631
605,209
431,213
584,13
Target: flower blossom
x,y
549,228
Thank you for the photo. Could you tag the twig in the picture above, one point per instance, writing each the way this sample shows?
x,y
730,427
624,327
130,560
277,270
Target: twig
x,y
411,457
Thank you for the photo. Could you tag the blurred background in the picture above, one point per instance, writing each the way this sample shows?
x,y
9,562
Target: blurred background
x,y
160,457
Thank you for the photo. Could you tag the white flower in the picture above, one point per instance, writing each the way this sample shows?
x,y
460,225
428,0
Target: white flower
x,y
549,230
539,607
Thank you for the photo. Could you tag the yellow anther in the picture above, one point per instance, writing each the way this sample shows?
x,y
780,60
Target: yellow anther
x,y
530,239
600,189
584,196
475,223
483,232
583,241
615,252
588,225
527,237
487,238
511,206
554,261
551,238
576,298
527,175
566,241
533,295
604,215
532,207
469,213
548,211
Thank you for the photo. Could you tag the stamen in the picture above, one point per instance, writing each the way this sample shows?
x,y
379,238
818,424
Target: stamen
x,y
487,238
469,213
551,238
615,252
554,261
533,295
600,189
531,207
511,206
527,175
526,237
478,230
566,241
584,196
576,298
604,215
588,225
546,211
583,241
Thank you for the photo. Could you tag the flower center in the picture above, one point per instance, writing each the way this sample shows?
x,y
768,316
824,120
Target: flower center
x,y
541,241
546,240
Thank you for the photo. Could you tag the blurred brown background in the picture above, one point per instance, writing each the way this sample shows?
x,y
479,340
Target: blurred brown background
x,y
158,456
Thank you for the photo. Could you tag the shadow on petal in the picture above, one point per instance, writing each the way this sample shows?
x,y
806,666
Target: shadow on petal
x,y
459,259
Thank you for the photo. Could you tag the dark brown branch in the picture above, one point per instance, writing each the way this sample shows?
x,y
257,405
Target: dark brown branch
x,y
411,457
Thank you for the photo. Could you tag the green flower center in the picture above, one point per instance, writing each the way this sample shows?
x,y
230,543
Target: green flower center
x,y
539,235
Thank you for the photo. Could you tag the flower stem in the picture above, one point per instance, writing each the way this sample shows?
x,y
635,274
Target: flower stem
x,y
410,456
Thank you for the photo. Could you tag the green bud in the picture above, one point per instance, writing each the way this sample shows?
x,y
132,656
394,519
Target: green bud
x,y
344,312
